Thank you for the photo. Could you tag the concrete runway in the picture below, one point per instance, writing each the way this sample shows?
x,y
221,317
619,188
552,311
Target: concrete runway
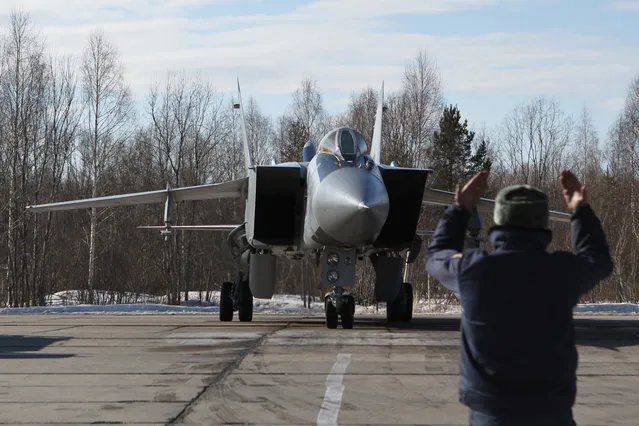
x,y
277,370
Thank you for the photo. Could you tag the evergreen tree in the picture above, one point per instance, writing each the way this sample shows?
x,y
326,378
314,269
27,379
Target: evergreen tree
x,y
480,160
451,149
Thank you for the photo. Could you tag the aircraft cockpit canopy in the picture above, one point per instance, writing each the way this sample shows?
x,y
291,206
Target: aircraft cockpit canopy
x,y
345,143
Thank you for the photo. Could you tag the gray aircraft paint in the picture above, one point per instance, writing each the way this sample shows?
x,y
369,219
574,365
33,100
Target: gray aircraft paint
x,y
349,205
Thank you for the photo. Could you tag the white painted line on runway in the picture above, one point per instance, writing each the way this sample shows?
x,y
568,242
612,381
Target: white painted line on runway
x,y
334,391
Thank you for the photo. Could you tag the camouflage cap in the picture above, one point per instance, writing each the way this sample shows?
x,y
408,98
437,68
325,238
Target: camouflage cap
x,y
521,206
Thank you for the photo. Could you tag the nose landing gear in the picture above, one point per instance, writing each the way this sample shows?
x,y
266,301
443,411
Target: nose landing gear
x,y
236,296
339,303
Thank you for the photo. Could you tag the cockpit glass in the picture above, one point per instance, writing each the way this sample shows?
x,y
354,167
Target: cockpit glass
x,y
327,145
361,143
347,144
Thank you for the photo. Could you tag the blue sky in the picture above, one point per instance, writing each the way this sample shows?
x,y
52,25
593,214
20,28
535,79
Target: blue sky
x,y
492,54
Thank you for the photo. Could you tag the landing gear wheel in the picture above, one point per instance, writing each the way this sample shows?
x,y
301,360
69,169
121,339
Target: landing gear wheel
x,y
408,297
245,308
392,309
331,314
396,310
226,301
348,313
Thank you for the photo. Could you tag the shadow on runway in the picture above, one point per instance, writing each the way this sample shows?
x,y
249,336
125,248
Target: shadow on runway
x,y
609,333
20,346
376,322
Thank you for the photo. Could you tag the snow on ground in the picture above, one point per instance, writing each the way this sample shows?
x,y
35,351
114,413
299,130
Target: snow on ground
x,y
141,304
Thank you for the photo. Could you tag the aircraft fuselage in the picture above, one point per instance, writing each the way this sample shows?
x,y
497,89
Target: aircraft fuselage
x,y
347,203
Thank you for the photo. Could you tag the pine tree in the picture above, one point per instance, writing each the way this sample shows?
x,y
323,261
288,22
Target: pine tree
x,y
451,149
480,160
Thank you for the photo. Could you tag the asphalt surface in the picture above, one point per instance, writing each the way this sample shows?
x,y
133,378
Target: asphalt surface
x,y
277,370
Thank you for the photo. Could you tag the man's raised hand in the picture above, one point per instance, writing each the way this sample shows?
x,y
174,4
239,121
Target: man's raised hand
x,y
574,192
469,195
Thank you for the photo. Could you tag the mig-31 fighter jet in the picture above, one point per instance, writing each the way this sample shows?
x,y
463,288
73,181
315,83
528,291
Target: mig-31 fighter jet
x,y
339,205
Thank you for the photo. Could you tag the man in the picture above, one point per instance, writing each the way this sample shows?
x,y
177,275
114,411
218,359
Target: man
x,y
518,357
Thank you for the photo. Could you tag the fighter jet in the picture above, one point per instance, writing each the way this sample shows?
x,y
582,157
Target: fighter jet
x,y
339,205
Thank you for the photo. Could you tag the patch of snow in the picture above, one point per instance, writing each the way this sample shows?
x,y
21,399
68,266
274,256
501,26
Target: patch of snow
x,y
607,308
143,304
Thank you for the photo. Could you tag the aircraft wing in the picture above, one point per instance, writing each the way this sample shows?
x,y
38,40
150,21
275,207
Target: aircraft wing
x,y
439,197
230,189
220,228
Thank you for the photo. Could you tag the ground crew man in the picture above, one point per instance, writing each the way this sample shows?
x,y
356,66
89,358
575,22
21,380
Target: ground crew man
x,y
518,358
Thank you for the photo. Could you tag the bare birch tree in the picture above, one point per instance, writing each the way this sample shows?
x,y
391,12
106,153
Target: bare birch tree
x,y
396,132
261,133
23,84
423,103
189,124
62,119
305,120
109,108
586,146
534,139
361,111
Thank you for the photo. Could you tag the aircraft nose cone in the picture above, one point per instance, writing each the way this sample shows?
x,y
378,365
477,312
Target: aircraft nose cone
x,y
351,206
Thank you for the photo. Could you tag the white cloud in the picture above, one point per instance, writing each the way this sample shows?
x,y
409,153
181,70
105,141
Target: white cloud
x,y
362,9
615,104
626,5
345,45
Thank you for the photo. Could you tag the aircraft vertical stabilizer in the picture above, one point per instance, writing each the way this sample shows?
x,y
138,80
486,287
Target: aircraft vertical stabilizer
x,y
248,157
376,144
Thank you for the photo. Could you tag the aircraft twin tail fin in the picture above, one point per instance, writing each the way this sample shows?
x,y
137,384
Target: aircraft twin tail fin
x,y
248,157
376,144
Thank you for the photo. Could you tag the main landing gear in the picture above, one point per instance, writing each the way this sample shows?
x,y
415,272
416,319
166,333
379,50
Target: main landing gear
x,y
338,303
236,296
401,309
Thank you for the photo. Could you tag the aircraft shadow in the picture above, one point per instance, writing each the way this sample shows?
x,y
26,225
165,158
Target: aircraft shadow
x,y
417,323
607,333
597,332
21,346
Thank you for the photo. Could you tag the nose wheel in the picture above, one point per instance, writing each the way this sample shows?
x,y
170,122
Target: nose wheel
x,y
401,309
236,296
339,304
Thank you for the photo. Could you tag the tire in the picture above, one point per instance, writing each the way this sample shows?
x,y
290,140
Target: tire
x,y
391,311
226,301
395,310
408,297
245,311
348,314
331,314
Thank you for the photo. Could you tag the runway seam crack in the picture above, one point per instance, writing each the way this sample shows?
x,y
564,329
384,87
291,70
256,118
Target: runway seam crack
x,y
222,375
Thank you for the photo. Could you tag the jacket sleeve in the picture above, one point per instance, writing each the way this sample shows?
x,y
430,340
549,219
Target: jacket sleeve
x,y
593,255
445,250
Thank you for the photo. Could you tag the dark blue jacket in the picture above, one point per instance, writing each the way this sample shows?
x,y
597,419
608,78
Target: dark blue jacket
x,y
518,351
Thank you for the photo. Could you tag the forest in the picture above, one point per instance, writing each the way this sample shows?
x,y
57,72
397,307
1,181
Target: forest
x,y
70,127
